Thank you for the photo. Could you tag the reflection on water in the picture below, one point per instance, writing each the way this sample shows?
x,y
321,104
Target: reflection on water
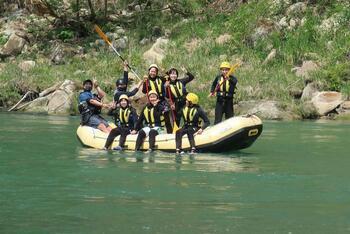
x,y
208,162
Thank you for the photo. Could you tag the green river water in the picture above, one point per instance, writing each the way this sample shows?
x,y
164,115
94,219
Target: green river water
x,y
294,179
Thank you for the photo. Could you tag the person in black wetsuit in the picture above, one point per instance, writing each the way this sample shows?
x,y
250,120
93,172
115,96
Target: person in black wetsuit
x,y
192,113
125,118
152,115
224,86
157,83
176,91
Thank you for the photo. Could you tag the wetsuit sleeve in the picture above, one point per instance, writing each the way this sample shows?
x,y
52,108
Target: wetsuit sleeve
x,y
139,122
126,77
133,92
204,117
213,86
134,119
144,87
188,78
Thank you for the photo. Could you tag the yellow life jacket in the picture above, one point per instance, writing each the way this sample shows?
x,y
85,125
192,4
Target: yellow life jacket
x,y
156,85
189,113
224,85
177,89
149,116
124,115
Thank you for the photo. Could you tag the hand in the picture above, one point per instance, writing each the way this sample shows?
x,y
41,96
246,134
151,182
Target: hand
x,y
95,83
211,94
166,77
183,69
167,83
172,107
145,77
199,132
133,132
125,65
113,105
155,102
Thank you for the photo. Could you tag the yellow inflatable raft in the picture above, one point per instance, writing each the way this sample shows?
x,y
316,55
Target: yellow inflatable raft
x,y
232,134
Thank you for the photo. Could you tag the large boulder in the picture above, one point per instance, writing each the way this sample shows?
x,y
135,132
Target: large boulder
x,y
13,46
296,8
156,53
59,101
326,102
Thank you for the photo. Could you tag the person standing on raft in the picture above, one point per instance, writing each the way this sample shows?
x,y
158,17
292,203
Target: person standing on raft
x,y
153,82
191,115
176,91
122,84
125,118
90,106
224,86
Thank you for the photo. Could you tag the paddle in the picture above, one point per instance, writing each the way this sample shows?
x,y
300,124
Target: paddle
x,y
105,38
232,70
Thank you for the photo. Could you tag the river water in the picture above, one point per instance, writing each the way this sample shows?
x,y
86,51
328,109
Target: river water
x,y
294,179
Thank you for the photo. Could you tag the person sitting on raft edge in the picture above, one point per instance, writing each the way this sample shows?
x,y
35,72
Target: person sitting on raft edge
x,y
224,86
153,116
90,106
191,126
125,118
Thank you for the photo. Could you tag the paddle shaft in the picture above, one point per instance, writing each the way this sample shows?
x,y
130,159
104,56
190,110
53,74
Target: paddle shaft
x,y
105,38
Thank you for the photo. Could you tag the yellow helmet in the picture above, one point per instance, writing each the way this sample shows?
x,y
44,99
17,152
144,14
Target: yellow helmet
x,y
123,96
225,65
191,97
153,65
152,92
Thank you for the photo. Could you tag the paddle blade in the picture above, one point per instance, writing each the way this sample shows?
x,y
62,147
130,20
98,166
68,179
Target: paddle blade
x,y
101,34
175,128
233,68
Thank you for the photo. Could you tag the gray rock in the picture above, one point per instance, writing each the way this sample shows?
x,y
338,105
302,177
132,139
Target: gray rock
x,y
120,43
305,69
326,102
309,91
27,65
222,39
262,108
156,53
13,46
144,41
270,56
297,8
137,8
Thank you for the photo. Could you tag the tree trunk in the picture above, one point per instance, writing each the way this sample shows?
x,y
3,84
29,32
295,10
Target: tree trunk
x,y
105,9
78,10
92,11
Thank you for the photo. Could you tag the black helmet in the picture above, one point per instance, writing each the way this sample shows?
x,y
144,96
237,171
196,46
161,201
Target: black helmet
x,y
87,81
120,82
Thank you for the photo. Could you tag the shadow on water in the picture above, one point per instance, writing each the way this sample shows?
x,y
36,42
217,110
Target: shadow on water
x,y
237,161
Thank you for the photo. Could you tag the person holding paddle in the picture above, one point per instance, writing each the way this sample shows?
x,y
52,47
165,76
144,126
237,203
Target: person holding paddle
x,y
176,92
192,113
223,86
125,118
156,83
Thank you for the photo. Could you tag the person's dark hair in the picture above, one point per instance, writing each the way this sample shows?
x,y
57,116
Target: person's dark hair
x,y
87,81
173,69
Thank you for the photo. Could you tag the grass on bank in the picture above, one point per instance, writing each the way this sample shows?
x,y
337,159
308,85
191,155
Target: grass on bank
x,y
271,81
